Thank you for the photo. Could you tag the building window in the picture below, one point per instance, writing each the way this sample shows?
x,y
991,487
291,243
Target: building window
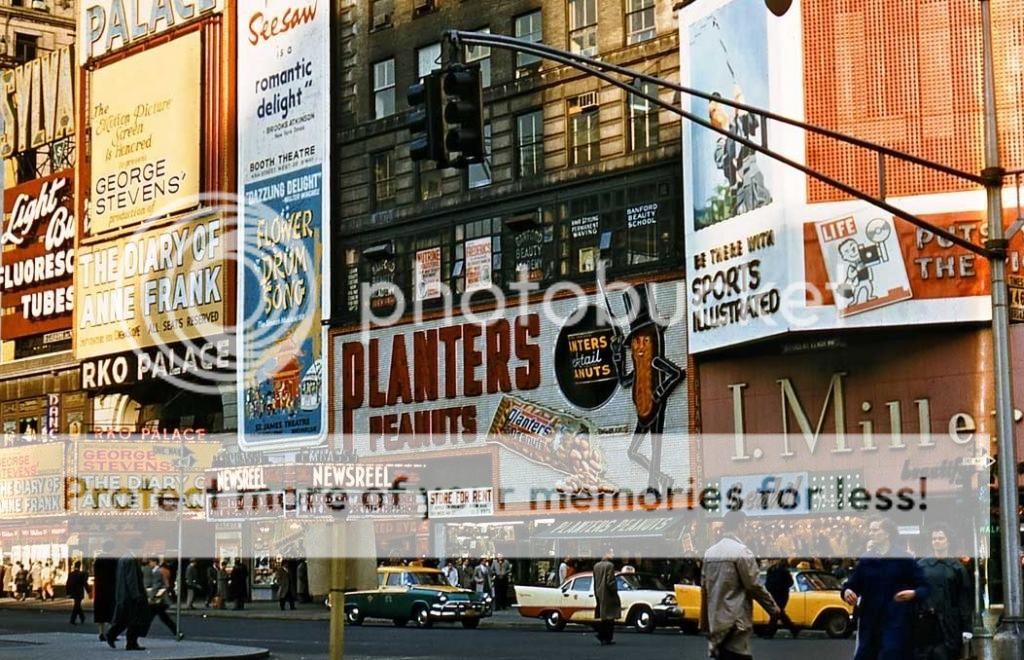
x,y
384,88
429,181
17,3
584,131
478,175
382,12
639,21
643,118
25,47
428,59
481,55
477,262
530,143
528,28
383,168
583,27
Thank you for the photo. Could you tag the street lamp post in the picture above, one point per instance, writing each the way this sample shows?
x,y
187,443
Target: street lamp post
x,y
1007,641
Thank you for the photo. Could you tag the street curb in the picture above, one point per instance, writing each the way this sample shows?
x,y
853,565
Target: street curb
x,y
83,646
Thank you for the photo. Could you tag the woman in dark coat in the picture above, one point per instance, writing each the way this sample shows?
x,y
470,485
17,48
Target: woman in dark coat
x,y
950,599
886,581
104,575
238,584
131,605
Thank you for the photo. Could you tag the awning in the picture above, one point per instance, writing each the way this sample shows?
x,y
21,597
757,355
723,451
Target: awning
x,y
639,525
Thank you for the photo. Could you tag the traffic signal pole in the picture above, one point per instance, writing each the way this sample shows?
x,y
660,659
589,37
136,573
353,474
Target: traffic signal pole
x,y
1007,643
1008,639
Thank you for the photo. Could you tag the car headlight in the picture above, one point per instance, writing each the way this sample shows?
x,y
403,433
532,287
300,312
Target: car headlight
x,y
669,600
442,599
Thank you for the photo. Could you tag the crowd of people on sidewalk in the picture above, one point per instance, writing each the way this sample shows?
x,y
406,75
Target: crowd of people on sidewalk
x,y
36,579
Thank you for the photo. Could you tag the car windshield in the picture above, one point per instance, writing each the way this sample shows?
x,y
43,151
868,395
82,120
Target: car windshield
x,y
425,580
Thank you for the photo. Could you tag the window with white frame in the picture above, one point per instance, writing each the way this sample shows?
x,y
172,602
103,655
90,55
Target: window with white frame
x,y
583,27
428,59
481,55
584,129
384,88
643,118
528,28
639,21
478,175
530,143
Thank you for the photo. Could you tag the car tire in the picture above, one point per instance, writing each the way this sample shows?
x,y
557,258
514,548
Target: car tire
x,y
554,622
354,617
642,620
470,623
689,627
837,625
400,623
421,616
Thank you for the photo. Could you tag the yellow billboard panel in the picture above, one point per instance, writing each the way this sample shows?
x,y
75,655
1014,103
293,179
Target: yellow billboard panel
x,y
32,480
139,476
144,130
151,288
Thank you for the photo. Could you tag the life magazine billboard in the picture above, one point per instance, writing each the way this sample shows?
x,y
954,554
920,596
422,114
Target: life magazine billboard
x,y
764,260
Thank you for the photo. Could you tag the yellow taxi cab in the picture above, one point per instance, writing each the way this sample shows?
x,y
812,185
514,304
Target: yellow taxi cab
x,y
815,603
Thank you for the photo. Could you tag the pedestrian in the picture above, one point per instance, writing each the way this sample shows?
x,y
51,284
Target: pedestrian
x,y
192,584
482,576
46,575
778,581
238,584
564,570
131,606
882,586
76,592
302,582
37,579
465,574
223,591
283,584
8,583
501,574
104,582
21,582
729,588
606,594
945,615
211,583
4,570
158,582
451,574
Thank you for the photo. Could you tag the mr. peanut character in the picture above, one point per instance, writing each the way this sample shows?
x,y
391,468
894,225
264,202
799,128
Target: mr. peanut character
x,y
652,380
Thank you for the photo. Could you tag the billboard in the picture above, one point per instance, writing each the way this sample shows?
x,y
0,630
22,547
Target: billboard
x,y
489,384
769,250
152,288
32,480
37,102
145,136
37,261
105,26
139,476
283,127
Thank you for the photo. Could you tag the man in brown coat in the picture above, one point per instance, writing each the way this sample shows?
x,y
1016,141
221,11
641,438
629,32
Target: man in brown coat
x,y
729,588
606,593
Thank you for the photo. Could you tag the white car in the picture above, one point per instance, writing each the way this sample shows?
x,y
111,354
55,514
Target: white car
x,y
645,603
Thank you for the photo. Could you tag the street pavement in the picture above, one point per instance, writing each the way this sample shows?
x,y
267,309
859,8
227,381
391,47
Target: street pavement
x,y
504,637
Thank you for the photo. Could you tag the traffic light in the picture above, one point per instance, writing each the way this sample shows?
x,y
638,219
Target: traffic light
x,y
424,121
463,115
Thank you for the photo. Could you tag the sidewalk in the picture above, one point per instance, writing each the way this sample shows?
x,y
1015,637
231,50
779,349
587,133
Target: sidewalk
x,y
509,618
47,646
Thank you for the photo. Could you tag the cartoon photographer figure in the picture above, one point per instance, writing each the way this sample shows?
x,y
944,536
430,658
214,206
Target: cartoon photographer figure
x,y
652,380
